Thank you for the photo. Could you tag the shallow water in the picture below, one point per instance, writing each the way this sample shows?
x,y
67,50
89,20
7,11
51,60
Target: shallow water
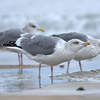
x,y
92,76
11,81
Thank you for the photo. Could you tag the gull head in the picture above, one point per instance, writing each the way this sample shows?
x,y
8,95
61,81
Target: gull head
x,y
75,44
32,28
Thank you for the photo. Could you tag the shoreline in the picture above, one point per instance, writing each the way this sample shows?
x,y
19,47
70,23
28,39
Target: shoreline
x,y
64,91
24,66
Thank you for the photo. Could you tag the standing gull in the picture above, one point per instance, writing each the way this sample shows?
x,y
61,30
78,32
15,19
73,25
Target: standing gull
x,y
85,53
48,50
9,37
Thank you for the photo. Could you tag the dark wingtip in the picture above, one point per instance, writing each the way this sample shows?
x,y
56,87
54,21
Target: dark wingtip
x,y
55,35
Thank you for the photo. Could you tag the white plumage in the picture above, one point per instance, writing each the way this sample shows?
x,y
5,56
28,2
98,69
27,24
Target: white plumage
x,y
48,50
9,37
85,53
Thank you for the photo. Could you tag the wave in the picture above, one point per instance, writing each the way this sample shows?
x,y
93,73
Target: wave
x,y
91,76
56,24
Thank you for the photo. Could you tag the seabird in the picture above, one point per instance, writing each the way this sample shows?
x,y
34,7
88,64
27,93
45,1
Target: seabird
x,y
85,53
48,50
9,37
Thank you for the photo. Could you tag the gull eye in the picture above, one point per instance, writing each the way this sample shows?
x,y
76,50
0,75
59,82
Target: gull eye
x,y
76,42
33,26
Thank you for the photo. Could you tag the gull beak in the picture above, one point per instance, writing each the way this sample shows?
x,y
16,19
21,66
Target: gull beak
x,y
86,43
40,29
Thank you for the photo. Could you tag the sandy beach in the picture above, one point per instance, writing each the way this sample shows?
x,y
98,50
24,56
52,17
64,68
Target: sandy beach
x,y
64,91
48,98
17,66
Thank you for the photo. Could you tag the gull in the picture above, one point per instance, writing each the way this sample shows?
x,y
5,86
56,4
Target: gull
x,y
48,50
9,37
87,52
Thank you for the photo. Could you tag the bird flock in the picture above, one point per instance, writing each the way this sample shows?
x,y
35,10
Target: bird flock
x,y
50,50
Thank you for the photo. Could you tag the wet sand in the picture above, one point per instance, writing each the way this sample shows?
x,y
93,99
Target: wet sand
x,y
48,98
24,66
64,91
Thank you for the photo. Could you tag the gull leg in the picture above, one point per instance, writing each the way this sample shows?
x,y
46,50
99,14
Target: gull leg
x,y
19,59
21,63
39,76
80,65
51,74
67,71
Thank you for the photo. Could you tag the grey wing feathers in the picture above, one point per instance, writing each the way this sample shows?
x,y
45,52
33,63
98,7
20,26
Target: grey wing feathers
x,y
72,35
39,45
10,35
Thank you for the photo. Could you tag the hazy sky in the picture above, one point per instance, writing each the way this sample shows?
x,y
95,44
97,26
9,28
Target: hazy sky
x,y
48,6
